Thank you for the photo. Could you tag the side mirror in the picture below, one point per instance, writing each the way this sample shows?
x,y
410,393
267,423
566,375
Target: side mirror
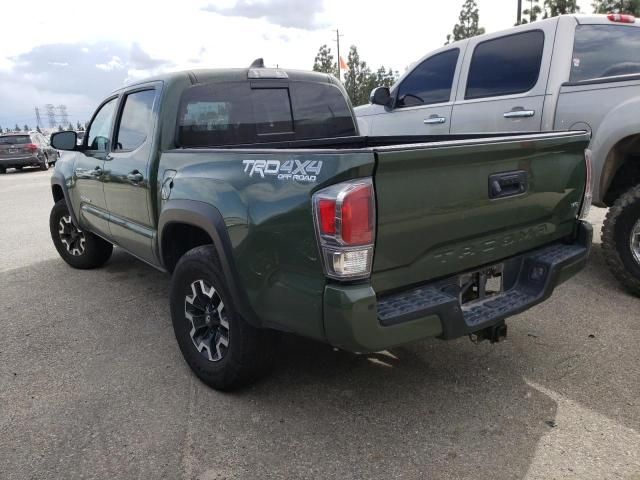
x,y
64,140
380,96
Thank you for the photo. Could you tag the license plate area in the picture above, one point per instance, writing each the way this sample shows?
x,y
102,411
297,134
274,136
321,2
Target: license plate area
x,y
481,285
13,150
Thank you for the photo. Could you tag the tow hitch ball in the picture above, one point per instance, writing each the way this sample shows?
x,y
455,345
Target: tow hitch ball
x,y
494,334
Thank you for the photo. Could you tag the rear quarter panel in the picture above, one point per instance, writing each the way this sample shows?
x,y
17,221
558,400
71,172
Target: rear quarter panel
x,y
270,223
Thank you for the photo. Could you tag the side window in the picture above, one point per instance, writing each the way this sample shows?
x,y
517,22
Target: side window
x,y
602,51
100,129
135,120
505,65
430,82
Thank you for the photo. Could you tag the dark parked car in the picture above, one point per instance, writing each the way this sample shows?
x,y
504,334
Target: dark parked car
x,y
18,150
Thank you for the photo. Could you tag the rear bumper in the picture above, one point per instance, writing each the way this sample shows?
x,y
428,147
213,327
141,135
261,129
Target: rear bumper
x,y
357,320
18,161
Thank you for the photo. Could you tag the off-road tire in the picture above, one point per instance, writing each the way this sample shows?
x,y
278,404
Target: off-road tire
x,y
95,251
616,234
249,351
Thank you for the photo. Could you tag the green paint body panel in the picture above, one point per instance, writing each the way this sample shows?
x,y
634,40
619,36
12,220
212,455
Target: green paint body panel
x,y
434,216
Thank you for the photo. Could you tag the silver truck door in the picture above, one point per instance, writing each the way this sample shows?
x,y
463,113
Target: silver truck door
x,y
423,99
503,82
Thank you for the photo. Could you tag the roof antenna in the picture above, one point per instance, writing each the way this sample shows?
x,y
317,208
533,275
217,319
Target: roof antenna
x,y
257,63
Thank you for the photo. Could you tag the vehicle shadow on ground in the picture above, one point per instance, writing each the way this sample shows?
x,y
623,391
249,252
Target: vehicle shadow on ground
x,y
429,410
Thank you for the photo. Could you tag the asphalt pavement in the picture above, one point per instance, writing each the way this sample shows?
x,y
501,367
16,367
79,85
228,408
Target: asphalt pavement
x,y
92,384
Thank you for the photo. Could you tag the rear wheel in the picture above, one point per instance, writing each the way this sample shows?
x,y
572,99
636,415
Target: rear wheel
x,y
222,349
78,248
621,239
44,164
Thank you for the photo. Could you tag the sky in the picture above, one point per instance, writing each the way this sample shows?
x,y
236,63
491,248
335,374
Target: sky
x,y
75,52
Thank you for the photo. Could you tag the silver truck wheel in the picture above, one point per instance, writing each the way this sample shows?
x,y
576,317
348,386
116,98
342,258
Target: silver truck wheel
x,y
621,240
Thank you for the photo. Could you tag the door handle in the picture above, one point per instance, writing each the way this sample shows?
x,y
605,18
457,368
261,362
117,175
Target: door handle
x,y
135,176
519,113
434,120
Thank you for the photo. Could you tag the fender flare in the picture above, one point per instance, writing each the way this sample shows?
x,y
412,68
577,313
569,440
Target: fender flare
x,y
208,218
618,124
57,179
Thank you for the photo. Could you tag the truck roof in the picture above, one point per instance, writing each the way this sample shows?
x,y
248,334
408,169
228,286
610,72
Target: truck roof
x,y
215,75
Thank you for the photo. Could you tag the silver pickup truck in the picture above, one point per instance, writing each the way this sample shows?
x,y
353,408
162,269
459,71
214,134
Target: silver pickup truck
x,y
569,72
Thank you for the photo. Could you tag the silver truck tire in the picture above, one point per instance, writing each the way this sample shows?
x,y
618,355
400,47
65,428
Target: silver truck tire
x,y
621,239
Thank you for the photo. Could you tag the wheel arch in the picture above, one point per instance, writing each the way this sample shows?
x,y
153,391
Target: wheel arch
x,y
621,169
203,224
59,192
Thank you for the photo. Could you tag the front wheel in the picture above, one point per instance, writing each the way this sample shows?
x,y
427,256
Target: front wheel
x,y
221,348
621,239
78,248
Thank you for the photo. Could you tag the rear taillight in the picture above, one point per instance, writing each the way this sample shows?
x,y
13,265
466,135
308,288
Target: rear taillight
x,y
32,147
621,18
588,187
345,220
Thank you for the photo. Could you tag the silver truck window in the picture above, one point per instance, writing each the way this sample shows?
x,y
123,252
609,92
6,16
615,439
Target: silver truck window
x,y
430,82
135,120
602,51
506,65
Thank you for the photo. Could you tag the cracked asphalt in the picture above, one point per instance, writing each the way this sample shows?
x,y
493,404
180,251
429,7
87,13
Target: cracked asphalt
x,y
92,384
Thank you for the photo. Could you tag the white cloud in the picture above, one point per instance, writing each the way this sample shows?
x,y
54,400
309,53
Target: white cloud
x,y
134,39
114,64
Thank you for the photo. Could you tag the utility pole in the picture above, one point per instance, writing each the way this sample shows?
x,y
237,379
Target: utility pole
x,y
38,120
338,44
519,12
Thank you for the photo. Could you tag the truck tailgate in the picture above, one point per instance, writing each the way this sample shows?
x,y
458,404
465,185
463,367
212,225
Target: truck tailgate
x,y
447,207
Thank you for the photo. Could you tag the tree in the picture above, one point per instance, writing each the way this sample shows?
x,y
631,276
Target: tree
x,y
79,126
617,6
357,78
60,129
467,25
25,128
16,128
324,62
38,129
553,8
70,127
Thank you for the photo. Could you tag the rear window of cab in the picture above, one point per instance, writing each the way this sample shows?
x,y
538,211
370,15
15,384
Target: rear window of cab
x,y
235,113
602,51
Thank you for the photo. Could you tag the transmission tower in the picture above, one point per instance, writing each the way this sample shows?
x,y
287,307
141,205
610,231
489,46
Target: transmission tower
x,y
51,115
64,116
38,119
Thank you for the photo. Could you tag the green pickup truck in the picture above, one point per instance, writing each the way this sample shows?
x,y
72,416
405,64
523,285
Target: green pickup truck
x,y
254,190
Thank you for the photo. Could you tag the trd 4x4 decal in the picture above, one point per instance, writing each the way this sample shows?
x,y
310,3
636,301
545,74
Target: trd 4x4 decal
x,y
299,170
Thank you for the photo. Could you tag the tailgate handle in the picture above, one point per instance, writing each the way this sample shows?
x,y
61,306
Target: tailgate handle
x,y
508,184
